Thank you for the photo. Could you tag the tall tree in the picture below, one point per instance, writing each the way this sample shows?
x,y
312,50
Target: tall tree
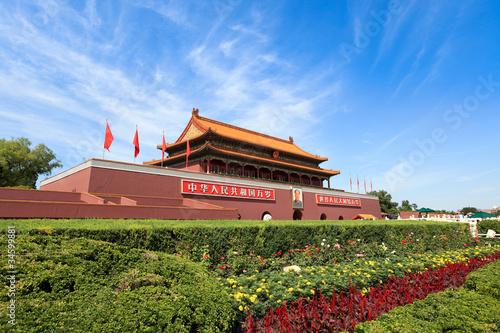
x,y
20,165
405,206
467,210
386,204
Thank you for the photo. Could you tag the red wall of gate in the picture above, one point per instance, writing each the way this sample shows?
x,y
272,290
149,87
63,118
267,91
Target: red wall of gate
x,y
129,179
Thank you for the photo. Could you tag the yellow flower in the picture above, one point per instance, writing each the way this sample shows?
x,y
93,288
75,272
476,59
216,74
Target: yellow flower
x,y
278,301
241,308
308,283
259,290
290,289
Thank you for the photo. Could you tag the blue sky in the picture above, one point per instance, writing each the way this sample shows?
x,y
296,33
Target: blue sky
x,y
406,93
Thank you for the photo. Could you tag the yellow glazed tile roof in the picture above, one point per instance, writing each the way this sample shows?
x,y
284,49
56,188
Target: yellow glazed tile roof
x,y
199,125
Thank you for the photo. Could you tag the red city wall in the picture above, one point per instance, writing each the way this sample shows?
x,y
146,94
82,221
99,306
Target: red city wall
x,y
23,203
130,180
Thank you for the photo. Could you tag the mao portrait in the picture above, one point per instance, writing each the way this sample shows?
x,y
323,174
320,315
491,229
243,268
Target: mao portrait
x,y
297,201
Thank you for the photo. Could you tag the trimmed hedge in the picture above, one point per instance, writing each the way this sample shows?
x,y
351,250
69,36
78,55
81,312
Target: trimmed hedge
x,y
485,225
475,307
79,285
485,281
216,239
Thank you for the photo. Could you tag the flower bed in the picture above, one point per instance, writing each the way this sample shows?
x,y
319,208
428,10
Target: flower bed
x,y
260,291
345,310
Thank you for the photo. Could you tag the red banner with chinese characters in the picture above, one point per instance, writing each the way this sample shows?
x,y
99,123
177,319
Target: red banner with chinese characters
x,y
329,200
224,190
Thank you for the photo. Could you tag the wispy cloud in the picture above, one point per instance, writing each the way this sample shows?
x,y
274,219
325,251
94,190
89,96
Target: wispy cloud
x,y
478,175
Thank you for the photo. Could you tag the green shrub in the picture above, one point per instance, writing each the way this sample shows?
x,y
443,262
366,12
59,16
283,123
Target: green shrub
x,y
217,239
485,225
486,280
450,311
79,285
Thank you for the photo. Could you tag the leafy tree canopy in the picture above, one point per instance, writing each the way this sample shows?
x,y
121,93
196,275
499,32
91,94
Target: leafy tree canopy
x,y
386,204
20,165
467,210
406,207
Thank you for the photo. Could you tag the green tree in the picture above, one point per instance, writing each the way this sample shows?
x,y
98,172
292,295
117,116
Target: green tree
x,y
386,203
405,206
467,210
20,165
414,207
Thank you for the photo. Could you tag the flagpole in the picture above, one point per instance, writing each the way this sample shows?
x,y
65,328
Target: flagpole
x,y
103,149
134,148
162,149
187,156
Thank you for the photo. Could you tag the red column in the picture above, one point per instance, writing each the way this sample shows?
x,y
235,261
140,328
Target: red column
x,y
208,164
243,170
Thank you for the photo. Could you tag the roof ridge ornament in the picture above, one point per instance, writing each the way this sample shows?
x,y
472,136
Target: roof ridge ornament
x,y
290,139
195,112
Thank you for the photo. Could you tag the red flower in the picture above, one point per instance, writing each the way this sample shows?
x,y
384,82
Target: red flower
x,y
205,256
251,253
222,267
228,266
465,244
223,258
261,258
403,242
279,253
316,249
283,256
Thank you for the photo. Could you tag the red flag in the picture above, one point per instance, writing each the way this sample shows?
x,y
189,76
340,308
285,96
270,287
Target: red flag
x,y
365,183
187,152
136,143
163,148
358,182
350,181
108,138
371,185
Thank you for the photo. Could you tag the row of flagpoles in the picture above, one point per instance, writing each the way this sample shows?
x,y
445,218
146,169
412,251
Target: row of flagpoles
x,y
371,184
108,139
